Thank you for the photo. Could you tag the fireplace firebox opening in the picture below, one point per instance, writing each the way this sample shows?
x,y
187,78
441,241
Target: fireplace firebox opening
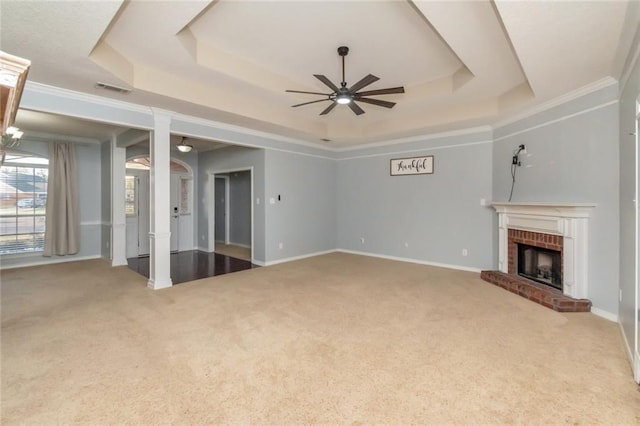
x,y
540,264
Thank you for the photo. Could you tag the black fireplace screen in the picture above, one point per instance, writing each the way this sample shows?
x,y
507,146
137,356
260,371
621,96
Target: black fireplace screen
x,y
540,264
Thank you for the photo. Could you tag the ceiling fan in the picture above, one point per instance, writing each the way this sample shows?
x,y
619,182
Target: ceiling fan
x,y
348,95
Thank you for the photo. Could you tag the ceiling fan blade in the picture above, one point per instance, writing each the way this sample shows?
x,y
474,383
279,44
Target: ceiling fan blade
x,y
308,93
367,80
378,102
327,82
389,91
329,108
307,103
355,108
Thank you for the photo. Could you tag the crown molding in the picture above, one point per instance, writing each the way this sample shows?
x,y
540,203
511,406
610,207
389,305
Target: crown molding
x,y
560,100
247,131
420,138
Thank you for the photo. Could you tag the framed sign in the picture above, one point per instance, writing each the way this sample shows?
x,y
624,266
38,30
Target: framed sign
x,y
412,166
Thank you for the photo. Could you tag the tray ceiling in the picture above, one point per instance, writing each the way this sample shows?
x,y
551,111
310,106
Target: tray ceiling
x,y
462,63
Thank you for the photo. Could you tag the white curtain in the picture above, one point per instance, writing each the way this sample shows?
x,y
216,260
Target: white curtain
x,y
61,233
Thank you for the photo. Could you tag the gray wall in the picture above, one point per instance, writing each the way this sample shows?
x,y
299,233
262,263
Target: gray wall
x,y
304,219
224,160
89,189
240,208
572,157
436,215
629,157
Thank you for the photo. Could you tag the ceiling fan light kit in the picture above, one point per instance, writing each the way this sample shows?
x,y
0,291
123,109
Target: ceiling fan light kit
x,y
344,95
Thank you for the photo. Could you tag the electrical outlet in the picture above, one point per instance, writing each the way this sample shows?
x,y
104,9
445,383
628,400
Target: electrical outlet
x,y
406,244
280,246
361,240
620,295
202,237
465,252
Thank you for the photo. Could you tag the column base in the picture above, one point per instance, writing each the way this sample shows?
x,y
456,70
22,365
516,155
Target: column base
x,y
156,285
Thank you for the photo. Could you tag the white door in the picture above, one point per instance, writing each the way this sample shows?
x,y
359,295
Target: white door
x,y
138,243
174,200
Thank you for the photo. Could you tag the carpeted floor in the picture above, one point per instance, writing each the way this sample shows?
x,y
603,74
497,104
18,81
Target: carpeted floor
x,y
333,339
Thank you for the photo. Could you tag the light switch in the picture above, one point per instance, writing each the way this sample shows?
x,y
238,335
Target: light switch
x,y
272,200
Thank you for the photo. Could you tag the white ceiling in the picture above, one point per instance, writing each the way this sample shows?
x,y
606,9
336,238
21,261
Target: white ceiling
x,y
462,63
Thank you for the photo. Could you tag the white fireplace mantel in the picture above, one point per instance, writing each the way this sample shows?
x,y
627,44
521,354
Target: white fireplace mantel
x,y
570,220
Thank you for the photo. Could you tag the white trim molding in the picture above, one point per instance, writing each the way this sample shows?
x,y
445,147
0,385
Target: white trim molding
x,y
568,220
409,260
560,100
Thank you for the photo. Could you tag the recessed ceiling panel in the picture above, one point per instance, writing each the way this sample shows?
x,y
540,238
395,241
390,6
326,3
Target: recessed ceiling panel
x,y
298,39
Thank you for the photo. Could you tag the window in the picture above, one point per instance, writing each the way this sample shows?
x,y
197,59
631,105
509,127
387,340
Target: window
x,y
23,199
130,200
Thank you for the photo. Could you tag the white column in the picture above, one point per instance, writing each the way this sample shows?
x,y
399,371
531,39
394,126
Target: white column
x,y
159,184
503,244
118,214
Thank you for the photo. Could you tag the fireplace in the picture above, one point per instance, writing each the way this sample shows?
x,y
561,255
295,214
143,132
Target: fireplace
x,y
540,264
543,253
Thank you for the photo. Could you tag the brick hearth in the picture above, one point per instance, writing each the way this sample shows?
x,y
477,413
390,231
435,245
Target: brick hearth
x,y
539,293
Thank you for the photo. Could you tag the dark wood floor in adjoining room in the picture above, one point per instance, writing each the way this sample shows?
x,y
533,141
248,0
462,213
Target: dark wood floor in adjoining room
x,y
193,265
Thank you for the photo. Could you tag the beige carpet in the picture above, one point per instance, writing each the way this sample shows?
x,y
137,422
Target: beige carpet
x,y
336,339
232,250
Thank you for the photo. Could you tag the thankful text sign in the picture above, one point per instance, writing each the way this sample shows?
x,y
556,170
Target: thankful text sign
x,y
412,166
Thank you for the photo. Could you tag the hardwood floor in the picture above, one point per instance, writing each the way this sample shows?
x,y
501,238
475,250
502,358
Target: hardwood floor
x,y
193,265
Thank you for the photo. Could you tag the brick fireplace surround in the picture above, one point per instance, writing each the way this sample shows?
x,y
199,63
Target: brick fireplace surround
x,y
555,226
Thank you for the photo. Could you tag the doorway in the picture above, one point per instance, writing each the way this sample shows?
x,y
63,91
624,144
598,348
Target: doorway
x,y
137,205
231,218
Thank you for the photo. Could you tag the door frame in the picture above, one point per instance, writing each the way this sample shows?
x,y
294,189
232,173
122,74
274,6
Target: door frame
x,y
212,207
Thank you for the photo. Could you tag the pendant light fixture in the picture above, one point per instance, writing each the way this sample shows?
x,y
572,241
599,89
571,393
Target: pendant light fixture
x,y
183,147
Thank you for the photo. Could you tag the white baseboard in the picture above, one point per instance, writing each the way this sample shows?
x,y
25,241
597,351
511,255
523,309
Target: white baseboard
x,y
248,246
51,261
409,260
604,314
291,259
626,345
204,249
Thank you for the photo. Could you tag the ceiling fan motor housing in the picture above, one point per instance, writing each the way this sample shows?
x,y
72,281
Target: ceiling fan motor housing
x,y
344,95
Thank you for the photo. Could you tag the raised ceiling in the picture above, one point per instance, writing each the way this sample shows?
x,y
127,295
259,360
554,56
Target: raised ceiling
x,y
462,63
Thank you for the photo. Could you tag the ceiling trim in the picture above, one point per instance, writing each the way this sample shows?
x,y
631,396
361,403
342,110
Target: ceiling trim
x,y
425,137
555,120
247,131
560,100
423,149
